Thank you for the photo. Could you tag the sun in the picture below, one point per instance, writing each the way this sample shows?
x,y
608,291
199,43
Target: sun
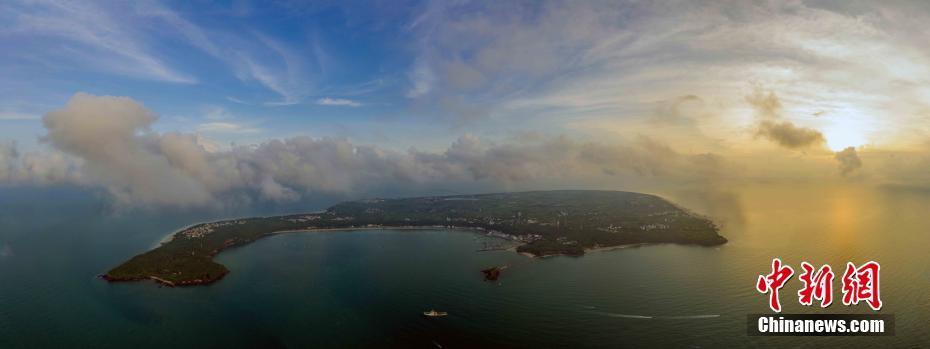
x,y
841,135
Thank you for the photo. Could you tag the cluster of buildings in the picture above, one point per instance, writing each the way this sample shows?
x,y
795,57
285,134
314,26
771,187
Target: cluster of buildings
x,y
526,238
303,219
648,227
200,230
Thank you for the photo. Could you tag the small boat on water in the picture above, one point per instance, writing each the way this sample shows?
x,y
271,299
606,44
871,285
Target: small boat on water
x,y
434,313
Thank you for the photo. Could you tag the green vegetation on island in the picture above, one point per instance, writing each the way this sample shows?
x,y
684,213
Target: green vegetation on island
x,y
545,222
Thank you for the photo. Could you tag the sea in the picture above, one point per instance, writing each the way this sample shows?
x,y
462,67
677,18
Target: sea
x,y
368,288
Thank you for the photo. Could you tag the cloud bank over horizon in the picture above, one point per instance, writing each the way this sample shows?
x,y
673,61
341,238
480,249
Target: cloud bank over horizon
x,y
109,143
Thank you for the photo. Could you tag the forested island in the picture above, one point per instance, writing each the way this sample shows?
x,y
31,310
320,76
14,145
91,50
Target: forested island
x,y
544,222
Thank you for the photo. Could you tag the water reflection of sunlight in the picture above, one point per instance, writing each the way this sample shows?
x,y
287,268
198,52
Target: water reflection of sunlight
x,y
819,221
844,212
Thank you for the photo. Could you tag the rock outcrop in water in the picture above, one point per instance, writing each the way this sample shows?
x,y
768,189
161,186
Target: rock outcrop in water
x,y
491,274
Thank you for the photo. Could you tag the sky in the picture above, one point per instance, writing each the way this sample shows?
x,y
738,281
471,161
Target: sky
x,y
196,103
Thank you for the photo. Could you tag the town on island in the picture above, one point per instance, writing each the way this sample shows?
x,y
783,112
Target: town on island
x,y
543,223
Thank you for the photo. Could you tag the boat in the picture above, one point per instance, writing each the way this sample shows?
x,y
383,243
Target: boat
x,y
434,313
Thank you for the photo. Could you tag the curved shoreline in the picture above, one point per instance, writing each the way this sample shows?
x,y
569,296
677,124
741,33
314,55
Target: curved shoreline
x,y
196,282
479,231
167,238
540,224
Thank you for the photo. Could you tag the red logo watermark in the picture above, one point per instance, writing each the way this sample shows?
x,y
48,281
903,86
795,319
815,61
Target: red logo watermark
x,y
859,284
817,285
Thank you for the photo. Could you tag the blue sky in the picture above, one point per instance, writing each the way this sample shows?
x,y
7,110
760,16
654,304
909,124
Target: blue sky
x,y
239,71
185,102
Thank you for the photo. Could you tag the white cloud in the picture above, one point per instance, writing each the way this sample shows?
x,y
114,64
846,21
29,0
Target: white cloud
x,y
110,137
274,79
236,100
37,167
422,79
337,102
281,76
220,120
555,62
111,146
225,127
282,103
110,42
552,65
120,38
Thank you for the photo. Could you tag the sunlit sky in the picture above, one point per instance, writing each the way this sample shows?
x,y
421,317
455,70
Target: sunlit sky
x,y
503,93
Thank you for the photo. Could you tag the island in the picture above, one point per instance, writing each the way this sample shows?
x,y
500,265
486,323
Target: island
x,y
492,273
543,223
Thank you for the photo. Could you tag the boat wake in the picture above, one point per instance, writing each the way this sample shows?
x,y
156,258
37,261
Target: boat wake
x,y
677,317
628,316
708,316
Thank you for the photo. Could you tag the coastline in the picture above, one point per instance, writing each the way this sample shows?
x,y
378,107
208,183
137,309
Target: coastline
x,y
197,282
491,233
167,238
476,230
186,255
617,247
589,249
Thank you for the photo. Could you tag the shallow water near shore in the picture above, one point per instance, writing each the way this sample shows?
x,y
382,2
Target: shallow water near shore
x,y
368,288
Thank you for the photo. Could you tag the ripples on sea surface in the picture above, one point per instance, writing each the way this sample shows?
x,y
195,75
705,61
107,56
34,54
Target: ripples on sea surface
x,y
368,288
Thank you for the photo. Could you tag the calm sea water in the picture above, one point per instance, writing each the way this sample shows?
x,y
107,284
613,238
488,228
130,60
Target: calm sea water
x,y
368,288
